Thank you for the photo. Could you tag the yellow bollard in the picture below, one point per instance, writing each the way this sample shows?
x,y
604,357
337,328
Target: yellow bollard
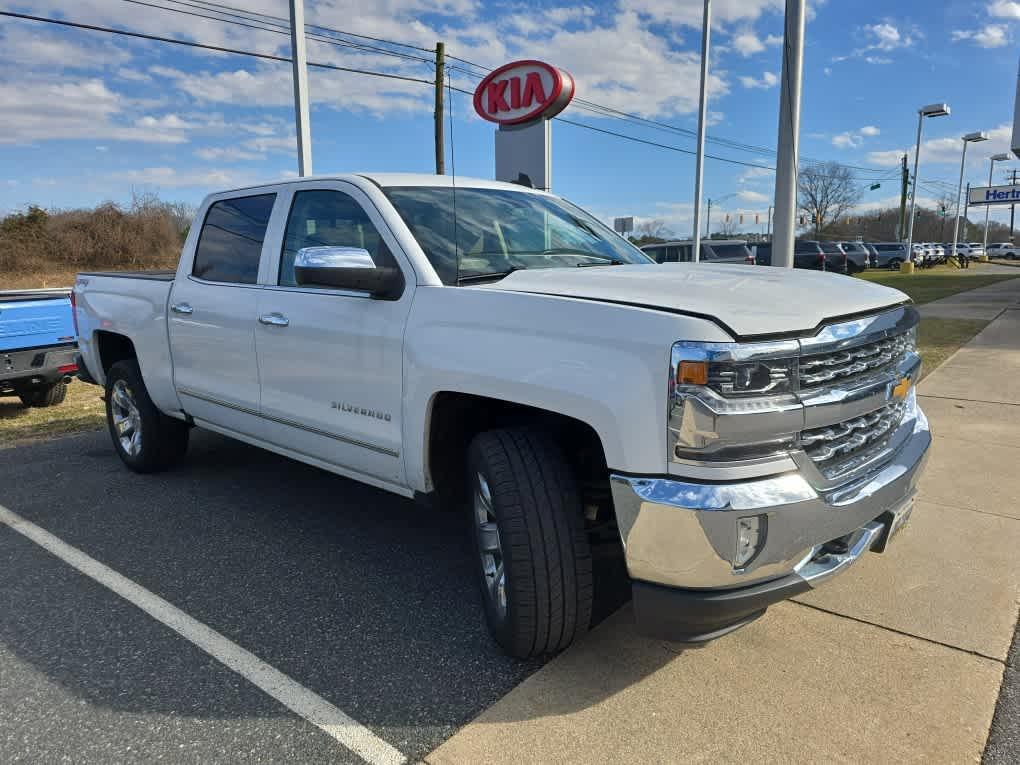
x,y
906,267
982,258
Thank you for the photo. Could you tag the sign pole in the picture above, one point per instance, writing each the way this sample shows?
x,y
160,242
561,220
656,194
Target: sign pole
x,y
706,33
301,119
784,225
440,138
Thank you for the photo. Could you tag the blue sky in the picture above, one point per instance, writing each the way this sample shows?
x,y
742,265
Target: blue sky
x,y
88,116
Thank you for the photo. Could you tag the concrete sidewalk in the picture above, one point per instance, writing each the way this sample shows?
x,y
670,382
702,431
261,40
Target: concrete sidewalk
x,y
982,303
900,659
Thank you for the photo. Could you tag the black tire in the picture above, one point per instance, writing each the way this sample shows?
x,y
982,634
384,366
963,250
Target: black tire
x,y
162,440
894,264
47,395
545,552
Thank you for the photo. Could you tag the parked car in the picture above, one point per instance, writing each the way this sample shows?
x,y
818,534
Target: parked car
x,y
806,255
966,249
513,359
835,257
890,254
712,251
872,255
1003,250
37,346
857,256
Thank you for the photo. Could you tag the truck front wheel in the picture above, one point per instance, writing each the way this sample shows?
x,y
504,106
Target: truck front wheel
x,y
146,439
48,395
533,558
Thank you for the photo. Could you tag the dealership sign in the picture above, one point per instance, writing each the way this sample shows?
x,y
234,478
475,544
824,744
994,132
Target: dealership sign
x,y
995,195
523,91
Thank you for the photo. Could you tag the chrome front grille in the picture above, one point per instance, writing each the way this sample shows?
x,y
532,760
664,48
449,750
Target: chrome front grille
x,y
836,448
845,365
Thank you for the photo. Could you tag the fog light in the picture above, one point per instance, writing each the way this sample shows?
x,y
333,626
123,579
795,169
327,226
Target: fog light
x,y
750,536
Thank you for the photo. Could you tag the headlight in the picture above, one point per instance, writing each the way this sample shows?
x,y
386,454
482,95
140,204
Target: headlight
x,y
734,371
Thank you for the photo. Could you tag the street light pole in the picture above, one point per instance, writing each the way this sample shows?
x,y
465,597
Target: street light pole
x,y
699,170
301,120
991,167
969,138
931,110
789,135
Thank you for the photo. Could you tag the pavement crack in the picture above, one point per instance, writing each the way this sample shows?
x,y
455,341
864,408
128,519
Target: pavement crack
x,y
900,632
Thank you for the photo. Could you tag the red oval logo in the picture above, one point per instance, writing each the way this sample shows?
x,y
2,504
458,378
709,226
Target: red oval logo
x,y
523,91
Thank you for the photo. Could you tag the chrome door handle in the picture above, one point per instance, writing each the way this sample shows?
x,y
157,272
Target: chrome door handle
x,y
182,308
274,320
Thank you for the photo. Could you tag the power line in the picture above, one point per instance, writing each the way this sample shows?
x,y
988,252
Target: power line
x,y
276,28
205,46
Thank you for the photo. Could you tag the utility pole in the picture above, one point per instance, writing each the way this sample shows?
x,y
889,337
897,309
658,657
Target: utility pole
x,y
440,79
708,219
699,170
966,209
785,228
1012,211
301,119
903,198
769,229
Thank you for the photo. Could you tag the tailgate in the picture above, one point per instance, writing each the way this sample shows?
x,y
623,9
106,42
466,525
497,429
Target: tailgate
x,y
35,323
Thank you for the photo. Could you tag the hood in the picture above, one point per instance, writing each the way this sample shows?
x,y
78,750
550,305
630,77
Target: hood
x,y
747,301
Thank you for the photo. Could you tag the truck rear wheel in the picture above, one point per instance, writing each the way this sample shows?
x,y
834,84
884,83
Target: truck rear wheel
x,y
47,395
146,439
534,561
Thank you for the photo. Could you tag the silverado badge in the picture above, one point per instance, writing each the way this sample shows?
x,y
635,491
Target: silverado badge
x,y
901,389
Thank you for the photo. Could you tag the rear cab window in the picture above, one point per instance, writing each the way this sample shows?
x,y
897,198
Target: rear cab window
x,y
230,243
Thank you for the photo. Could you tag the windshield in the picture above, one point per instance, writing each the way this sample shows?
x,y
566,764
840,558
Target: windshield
x,y
726,251
497,231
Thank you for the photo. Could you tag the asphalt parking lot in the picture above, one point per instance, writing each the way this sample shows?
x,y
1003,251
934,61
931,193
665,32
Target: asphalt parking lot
x,y
360,597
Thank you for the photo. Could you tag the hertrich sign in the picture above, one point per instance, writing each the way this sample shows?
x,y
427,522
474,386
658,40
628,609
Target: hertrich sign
x,y
523,91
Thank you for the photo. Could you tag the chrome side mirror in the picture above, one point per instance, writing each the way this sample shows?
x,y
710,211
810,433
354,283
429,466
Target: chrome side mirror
x,y
347,268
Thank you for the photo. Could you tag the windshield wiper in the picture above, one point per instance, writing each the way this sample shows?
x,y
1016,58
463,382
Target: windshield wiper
x,y
483,277
601,263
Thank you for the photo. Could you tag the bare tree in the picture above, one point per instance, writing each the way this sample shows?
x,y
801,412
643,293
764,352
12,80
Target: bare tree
x,y
827,193
655,229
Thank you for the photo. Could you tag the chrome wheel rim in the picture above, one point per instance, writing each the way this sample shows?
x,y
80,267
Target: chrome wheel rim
x,y
127,420
489,549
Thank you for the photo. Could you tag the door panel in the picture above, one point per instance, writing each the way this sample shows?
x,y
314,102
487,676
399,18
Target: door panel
x,y
330,361
212,315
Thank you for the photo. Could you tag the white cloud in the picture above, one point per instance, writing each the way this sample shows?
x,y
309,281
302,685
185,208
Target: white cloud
x,y
32,110
227,154
989,36
753,197
947,150
168,177
767,80
754,173
746,43
689,12
1004,9
827,70
878,60
166,122
887,36
853,139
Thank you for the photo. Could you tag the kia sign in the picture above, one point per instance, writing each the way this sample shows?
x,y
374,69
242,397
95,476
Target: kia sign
x,y
995,195
523,91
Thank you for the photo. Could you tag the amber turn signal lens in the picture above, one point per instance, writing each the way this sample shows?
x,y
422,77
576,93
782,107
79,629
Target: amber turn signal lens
x,y
692,373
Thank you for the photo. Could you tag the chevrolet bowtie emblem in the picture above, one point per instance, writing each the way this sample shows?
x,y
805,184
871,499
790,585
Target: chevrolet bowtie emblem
x,y
902,388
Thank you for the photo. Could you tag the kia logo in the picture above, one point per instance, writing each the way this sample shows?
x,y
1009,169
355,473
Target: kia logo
x,y
523,91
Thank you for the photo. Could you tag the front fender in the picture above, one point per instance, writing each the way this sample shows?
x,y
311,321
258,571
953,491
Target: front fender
x,y
603,364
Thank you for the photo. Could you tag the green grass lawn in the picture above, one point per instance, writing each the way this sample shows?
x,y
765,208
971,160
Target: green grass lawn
x,y
932,284
938,339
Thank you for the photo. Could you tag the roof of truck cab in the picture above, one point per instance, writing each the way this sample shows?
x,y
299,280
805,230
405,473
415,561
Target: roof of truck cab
x,y
388,180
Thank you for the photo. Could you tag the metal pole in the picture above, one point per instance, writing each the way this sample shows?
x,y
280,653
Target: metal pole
x,y
966,207
706,34
438,116
301,119
769,229
913,189
1012,210
785,229
708,219
959,191
991,168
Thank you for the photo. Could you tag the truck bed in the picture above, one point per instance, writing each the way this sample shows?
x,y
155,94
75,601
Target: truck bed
x,y
17,296
158,275
31,319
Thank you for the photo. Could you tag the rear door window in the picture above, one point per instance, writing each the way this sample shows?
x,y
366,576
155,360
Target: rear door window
x,y
230,243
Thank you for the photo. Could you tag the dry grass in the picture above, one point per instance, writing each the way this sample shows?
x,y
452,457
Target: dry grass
x,y
83,409
46,248
924,286
938,339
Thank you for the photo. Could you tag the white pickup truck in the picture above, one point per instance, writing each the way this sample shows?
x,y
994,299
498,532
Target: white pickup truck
x,y
747,433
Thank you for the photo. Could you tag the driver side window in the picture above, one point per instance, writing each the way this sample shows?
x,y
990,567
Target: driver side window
x,y
327,218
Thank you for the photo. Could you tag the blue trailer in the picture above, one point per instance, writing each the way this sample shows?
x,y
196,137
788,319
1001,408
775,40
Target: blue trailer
x,y
37,345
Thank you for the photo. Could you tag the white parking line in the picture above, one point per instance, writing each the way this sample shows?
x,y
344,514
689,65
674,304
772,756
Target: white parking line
x,y
292,695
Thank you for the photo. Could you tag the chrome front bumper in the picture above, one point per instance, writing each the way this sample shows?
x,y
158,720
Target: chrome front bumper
x,y
682,534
